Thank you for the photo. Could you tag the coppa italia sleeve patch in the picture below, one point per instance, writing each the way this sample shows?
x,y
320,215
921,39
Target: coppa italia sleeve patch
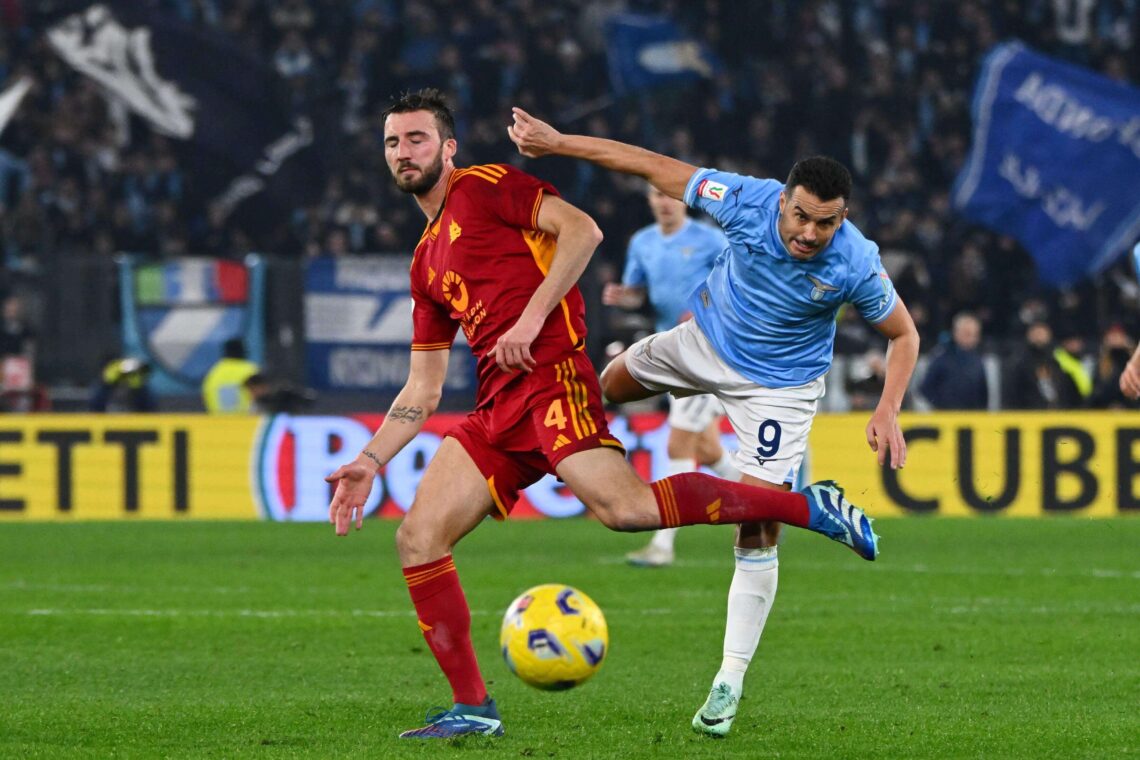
x,y
714,191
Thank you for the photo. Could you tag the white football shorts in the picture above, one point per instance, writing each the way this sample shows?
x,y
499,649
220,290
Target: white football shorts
x,y
771,424
694,413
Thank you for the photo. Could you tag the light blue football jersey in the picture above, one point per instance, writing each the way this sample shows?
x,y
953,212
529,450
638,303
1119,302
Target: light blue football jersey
x,y
769,316
671,267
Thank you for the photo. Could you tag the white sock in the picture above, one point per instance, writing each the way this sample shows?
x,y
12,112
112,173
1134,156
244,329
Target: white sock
x,y
663,538
749,599
724,468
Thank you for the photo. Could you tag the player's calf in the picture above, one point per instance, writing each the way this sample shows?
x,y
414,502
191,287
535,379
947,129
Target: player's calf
x,y
628,513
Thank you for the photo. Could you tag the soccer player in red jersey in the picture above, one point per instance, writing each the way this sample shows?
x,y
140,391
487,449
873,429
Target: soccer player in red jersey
x,y
500,257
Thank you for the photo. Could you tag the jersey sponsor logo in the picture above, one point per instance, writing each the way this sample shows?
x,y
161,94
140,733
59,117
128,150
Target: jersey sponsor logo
x,y
455,291
714,191
820,288
454,230
471,319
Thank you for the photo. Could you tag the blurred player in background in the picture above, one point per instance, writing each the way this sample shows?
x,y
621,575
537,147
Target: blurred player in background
x,y
761,340
500,257
666,261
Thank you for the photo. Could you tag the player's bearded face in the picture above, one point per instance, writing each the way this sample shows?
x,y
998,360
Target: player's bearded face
x,y
415,178
807,223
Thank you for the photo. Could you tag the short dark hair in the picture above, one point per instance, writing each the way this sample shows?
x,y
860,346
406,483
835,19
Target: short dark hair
x,y
823,177
234,348
426,99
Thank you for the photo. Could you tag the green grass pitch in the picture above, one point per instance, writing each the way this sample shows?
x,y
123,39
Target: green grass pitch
x,y
968,638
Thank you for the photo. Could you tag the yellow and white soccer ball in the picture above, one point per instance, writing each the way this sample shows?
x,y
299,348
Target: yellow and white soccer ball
x,y
554,637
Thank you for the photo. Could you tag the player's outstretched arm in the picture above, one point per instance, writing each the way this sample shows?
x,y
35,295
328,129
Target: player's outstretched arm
x,y
1130,377
623,296
535,138
418,399
578,236
883,431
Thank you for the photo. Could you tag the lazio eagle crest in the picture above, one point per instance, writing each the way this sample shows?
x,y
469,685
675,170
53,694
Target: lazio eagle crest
x,y
820,288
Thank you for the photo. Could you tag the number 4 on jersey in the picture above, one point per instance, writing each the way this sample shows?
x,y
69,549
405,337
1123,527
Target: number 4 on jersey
x,y
555,415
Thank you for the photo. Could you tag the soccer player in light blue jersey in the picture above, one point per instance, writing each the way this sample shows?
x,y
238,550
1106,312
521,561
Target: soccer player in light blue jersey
x,y
761,340
664,262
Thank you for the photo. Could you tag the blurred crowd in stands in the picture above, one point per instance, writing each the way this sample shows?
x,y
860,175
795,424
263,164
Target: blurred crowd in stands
x,y
882,85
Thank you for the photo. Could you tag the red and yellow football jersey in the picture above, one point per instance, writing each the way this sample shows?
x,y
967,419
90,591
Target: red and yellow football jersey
x,y
477,265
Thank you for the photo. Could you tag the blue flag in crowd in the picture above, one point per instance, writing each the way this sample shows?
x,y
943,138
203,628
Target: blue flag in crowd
x,y
646,51
1055,162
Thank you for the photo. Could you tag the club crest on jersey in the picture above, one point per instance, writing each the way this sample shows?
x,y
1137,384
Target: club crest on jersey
x,y
714,191
820,289
454,230
455,291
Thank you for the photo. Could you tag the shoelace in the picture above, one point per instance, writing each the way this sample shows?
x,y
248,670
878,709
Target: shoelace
x,y
437,714
721,698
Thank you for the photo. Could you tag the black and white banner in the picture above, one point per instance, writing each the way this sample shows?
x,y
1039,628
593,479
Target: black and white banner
x,y
223,107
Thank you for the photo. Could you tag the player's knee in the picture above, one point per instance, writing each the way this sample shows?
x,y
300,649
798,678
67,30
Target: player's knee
x,y
708,452
415,541
405,537
607,381
679,449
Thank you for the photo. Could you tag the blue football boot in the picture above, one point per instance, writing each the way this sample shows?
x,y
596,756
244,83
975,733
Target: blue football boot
x,y
460,720
840,520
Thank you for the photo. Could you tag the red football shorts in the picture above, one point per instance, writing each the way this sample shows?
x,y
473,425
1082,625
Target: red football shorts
x,y
533,424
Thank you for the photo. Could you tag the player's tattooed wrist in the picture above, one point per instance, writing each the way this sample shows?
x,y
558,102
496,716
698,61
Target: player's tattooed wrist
x,y
373,457
406,413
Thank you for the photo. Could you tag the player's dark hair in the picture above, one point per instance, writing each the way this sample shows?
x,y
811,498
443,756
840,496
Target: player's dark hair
x,y
821,176
426,99
234,348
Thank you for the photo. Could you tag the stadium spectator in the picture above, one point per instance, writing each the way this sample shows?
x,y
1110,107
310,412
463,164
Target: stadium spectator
x,y
1111,366
1070,355
865,378
78,176
1036,380
123,386
956,376
225,388
17,338
19,391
